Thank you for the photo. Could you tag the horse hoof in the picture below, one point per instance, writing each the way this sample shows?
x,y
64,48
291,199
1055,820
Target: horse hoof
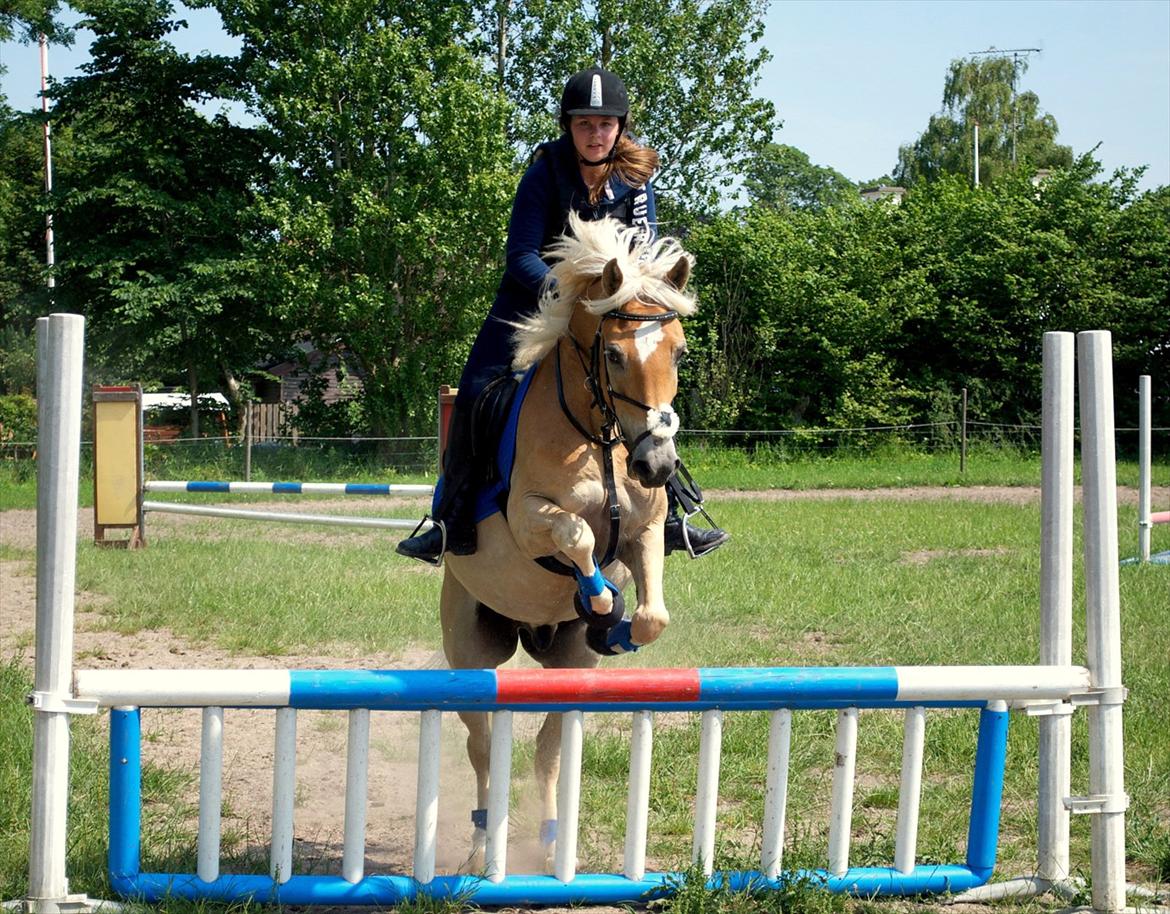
x,y
611,642
596,620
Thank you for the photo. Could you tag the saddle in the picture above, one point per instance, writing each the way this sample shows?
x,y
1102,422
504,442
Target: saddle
x,y
490,416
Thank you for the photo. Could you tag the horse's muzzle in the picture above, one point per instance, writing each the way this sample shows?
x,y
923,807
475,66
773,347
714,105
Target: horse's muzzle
x,y
653,464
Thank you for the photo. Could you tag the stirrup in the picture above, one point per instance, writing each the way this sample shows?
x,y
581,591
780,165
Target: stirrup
x,y
438,563
690,500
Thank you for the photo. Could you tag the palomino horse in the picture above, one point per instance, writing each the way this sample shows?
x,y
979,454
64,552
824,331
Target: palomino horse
x,y
604,347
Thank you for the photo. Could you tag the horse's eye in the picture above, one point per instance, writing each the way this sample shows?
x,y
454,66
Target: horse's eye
x,y
615,356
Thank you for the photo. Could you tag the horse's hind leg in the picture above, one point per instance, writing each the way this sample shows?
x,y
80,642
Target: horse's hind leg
x,y
568,651
475,637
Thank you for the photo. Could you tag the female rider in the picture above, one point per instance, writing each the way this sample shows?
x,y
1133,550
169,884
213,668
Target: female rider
x,y
595,169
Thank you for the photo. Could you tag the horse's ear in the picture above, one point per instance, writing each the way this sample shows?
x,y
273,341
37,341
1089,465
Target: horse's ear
x,y
680,273
611,278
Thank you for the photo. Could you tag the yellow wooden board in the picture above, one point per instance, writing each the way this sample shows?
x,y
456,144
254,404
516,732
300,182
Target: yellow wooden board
x,y
116,473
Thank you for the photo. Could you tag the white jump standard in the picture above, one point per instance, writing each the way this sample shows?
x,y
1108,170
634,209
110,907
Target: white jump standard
x,y
1053,688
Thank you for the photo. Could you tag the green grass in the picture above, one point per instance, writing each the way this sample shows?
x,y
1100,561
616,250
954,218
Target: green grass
x,y
835,582
764,467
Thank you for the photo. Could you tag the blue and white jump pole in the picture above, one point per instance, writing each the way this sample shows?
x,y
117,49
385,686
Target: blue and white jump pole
x,y
1050,688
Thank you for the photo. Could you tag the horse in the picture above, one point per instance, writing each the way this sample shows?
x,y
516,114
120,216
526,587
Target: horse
x,y
594,448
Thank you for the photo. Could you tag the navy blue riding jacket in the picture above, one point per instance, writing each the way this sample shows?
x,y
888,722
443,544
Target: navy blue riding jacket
x,y
551,188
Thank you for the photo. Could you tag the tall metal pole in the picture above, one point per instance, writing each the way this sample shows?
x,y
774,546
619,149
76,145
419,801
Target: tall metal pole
x,y
977,153
59,378
1056,597
1144,421
50,254
1107,801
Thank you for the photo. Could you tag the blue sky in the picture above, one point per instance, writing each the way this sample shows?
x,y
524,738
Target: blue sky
x,y
854,79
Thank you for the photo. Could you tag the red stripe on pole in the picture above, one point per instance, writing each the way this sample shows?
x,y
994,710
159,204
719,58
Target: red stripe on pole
x,y
557,686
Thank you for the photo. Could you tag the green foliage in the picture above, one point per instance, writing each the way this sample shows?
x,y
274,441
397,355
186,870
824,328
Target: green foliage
x,y
18,361
153,203
691,68
18,418
23,293
338,419
1011,126
782,177
384,223
879,314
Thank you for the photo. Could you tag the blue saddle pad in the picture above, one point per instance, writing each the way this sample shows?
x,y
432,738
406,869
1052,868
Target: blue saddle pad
x,y
491,499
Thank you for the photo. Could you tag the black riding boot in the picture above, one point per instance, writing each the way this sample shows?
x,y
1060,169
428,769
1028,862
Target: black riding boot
x,y
696,541
456,507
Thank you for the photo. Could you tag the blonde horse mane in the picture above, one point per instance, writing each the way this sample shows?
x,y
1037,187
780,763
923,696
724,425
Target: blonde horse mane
x,y
580,256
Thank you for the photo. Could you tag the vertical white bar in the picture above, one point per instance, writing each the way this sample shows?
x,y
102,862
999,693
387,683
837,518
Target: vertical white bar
x,y
1056,586
426,815
60,351
284,785
1144,425
1103,615
707,794
357,769
910,790
638,800
210,793
499,786
776,792
841,815
569,795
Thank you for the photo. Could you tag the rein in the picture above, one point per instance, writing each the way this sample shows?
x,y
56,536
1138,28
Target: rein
x,y
611,430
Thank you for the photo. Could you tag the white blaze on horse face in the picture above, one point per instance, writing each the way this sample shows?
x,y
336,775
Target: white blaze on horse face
x,y
662,422
647,338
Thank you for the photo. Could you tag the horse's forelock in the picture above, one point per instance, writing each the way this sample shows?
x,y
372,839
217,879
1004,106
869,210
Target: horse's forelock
x,y
579,257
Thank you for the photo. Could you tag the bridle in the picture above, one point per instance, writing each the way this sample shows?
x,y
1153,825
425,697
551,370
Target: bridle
x,y
603,397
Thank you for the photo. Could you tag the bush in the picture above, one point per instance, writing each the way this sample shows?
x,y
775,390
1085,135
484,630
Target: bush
x,y
18,419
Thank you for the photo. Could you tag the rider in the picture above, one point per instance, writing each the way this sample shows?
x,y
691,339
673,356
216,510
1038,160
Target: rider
x,y
596,169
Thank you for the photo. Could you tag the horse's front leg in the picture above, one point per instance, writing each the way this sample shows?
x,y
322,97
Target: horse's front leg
x,y
547,528
645,563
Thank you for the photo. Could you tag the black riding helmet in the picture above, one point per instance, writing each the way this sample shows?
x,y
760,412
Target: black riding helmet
x,y
595,91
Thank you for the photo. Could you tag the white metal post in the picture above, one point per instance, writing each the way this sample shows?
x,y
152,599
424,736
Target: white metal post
x,y
707,795
1144,424
1107,800
638,800
499,788
910,789
776,792
357,779
569,795
841,815
210,794
1056,586
284,783
426,816
60,348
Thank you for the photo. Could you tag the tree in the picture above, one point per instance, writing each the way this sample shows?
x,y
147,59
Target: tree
x,y
385,218
692,69
153,209
782,177
23,291
25,20
1012,128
